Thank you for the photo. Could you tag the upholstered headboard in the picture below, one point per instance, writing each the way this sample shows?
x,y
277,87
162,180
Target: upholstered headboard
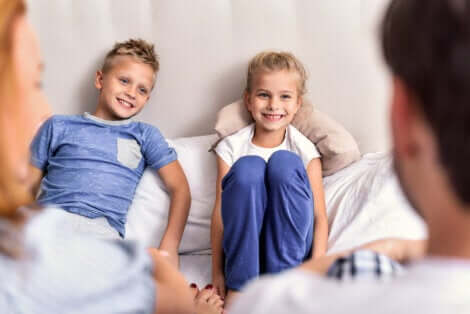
x,y
204,47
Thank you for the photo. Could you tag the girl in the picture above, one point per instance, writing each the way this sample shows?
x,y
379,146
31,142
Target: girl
x,y
269,213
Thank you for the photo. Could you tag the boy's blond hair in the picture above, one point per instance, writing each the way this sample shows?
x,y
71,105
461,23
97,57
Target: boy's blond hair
x,y
268,61
140,49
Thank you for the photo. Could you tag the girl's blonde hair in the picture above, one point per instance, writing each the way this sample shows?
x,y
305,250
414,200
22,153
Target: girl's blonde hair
x,y
268,61
13,193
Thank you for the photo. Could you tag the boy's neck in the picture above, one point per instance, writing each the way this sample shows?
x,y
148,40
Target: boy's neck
x,y
100,113
268,139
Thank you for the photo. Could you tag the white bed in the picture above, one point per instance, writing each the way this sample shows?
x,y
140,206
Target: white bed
x,y
204,47
364,203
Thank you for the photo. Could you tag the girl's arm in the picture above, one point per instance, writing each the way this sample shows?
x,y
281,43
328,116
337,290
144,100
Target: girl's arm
x,y
175,181
320,236
217,231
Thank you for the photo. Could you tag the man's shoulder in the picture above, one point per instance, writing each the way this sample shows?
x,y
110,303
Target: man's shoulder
x,y
420,290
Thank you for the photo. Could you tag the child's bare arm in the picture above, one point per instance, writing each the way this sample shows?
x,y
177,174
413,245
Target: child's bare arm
x,y
320,236
217,231
175,181
173,294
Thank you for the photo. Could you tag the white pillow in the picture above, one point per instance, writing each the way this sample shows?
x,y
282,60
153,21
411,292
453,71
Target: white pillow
x,y
148,213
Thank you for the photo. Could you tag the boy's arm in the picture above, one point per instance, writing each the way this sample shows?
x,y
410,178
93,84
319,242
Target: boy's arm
x,y
217,232
173,294
320,236
175,181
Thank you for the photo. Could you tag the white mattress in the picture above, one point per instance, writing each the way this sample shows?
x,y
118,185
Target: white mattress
x,y
364,203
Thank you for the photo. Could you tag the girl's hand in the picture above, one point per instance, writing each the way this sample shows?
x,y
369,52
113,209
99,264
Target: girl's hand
x,y
218,281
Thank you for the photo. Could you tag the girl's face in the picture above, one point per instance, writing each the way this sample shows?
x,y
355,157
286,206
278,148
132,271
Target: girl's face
x,y
274,99
29,107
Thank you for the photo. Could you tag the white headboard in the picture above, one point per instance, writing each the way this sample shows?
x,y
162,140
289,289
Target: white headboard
x,y
204,47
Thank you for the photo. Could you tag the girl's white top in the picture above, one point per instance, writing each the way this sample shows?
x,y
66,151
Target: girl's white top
x,y
239,144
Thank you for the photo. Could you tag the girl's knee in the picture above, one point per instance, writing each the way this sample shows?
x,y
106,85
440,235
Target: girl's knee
x,y
282,165
247,171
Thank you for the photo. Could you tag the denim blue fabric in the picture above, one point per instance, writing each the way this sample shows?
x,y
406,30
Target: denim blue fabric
x,y
267,213
92,166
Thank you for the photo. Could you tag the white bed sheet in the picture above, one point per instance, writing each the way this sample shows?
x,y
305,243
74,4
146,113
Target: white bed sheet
x,y
364,203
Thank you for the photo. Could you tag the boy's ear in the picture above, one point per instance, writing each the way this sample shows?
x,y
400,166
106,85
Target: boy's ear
x,y
99,80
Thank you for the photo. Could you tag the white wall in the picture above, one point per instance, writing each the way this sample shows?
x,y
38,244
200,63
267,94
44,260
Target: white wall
x,y
204,47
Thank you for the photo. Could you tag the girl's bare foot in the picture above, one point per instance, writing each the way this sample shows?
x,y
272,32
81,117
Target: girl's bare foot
x,y
206,301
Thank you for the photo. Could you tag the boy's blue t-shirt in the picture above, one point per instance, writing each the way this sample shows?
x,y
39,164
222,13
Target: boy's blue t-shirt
x,y
92,166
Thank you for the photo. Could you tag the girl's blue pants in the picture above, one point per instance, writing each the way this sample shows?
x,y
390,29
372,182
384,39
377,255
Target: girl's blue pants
x,y
267,213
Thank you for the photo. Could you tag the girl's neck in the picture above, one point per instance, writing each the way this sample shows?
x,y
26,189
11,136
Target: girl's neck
x,y
268,139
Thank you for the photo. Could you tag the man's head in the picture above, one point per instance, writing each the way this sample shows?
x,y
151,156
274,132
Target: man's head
x,y
426,44
126,79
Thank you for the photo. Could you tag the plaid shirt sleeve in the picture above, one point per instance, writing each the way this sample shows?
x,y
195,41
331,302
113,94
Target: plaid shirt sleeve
x,y
364,265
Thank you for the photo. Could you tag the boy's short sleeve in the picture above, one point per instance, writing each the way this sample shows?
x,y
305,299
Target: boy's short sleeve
x,y
41,147
156,151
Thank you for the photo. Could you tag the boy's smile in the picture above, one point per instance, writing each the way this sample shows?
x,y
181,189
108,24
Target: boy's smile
x,y
126,104
124,89
274,99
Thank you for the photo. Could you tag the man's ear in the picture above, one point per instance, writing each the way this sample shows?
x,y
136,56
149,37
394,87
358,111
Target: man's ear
x,y
99,80
246,100
403,119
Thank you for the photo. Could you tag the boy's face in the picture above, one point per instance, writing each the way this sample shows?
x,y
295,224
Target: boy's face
x,y
124,88
274,99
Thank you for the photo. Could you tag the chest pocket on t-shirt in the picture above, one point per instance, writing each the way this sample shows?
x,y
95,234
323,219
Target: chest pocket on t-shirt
x,y
128,152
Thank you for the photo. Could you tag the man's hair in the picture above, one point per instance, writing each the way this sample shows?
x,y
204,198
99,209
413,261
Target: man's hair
x,y
426,44
268,61
138,48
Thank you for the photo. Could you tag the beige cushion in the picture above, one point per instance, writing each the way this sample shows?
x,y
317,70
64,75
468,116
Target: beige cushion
x,y
336,145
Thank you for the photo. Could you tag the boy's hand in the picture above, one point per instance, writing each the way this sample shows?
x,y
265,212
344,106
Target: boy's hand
x,y
174,258
218,281
171,255
170,246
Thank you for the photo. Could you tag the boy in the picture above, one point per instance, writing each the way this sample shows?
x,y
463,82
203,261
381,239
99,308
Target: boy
x,y
92,163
